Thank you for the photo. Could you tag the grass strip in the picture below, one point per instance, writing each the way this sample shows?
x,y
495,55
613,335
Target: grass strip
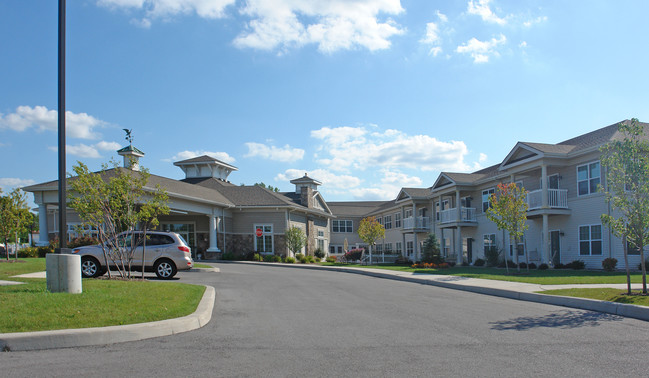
x,y
603,294
20,266
535,276
30,307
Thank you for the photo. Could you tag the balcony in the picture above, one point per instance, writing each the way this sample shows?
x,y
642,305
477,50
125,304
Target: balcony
x,y
557,199
418,223
467,214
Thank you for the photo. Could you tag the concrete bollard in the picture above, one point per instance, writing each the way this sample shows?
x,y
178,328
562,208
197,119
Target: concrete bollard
x,y
63,273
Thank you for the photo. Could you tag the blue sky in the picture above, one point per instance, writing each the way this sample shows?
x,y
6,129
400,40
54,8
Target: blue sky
x,y
367,96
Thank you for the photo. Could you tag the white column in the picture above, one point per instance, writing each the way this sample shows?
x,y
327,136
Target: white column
x,y
458,205
544,186
43,238
545,249
214,223
458,245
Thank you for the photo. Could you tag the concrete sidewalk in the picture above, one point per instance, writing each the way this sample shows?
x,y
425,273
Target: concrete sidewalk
x,y
514,290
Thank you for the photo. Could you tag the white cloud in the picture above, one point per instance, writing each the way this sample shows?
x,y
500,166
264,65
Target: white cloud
x,y
9,183
165,9
482,158
523,45
537,20
331,24
442,17
108,146
329,180
283,154
184,155
480,51
78,125
481,8
89,151
389,150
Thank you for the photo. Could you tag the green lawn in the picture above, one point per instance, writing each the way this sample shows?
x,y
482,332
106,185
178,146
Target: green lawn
x,y
603,294
199,265
543,277
30,307
21,266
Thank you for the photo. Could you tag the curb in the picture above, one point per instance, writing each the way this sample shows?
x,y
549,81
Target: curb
x,y
67,338
620,309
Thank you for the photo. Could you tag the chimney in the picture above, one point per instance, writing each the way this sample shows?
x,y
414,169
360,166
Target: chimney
x,y
131,157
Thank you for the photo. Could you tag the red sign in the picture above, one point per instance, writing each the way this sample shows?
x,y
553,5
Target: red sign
x,y
259,232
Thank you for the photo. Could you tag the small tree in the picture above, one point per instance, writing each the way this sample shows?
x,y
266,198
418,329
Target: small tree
x,y
14,216
627,191
430,250
149,213
370,230
508,210
111,202
295,239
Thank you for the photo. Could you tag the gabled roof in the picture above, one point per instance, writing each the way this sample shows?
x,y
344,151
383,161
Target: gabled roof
x,y
305,180
413,194
173,187
356,209
129,148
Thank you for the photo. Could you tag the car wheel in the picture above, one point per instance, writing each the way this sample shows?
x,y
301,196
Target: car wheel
x,y
164,269
90,267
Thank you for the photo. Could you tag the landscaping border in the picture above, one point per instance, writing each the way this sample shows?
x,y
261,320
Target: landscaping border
x,y
68,338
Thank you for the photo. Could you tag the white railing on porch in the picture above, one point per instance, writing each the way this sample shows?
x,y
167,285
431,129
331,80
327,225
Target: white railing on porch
x,y
467,214
557,198
416,223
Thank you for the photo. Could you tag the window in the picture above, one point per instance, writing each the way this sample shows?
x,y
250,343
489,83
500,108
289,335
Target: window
x,y
410,248
76,230
588,178
441,206
388,248
335,249
380,220
632,249
488,241
379,248
185,230
341,226
520,249
408,213
387,222
553,181
397,220
397,248
264,243
590,240
485,198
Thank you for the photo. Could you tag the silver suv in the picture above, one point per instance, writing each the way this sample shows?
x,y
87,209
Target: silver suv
x,y
166,253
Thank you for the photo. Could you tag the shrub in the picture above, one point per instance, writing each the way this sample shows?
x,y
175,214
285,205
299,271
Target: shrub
x,y
331,259
559,266
310,259
319,253
289,260
299,256
576,265
228,256
277,258
479,262
464,263
532,266
430,250
523,265
83,240
492,255
510,264
303,259
450,263
543,266
646,264
257,257
28,252
354,254
401,260
268,258
609,264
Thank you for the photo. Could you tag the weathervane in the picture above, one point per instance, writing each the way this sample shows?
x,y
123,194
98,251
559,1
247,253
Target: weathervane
x,y
129,137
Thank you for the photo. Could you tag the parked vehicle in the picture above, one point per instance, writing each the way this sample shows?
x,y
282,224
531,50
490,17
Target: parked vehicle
x,y
166,254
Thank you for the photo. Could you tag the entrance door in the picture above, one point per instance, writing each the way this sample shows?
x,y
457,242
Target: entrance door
x,y
469,250
555,247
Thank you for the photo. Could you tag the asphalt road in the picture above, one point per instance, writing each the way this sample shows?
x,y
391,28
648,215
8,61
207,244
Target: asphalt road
x,y
271,321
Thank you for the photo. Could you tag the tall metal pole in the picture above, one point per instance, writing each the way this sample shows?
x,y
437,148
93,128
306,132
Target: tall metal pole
x,y
63,227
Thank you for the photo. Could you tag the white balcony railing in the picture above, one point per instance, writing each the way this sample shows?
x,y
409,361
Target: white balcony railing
x,y
467,214
418,223
557,198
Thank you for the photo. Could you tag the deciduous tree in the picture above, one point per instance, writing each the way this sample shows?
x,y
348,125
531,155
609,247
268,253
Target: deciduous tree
x,y
295,239
626,163
370,230
14,216
508,210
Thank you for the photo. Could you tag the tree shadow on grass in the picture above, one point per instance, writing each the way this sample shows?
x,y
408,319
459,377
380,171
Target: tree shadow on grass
x,y
564,319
